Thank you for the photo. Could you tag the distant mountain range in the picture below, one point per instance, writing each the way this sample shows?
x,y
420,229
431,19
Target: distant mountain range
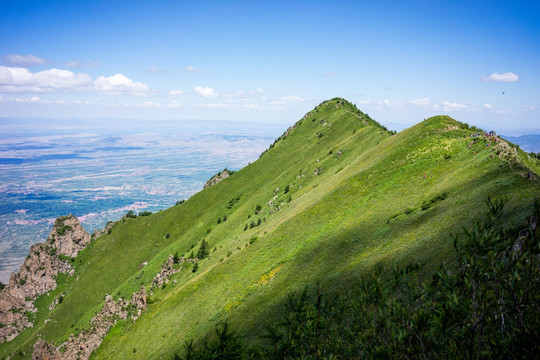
x,y
530,143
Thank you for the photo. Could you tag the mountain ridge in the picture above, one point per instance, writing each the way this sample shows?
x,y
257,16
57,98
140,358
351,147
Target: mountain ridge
x,y
336,194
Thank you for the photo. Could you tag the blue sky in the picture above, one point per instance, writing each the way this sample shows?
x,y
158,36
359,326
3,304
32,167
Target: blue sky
x,y
272,61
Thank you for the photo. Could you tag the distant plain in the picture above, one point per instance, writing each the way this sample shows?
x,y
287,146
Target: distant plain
x,y
98,170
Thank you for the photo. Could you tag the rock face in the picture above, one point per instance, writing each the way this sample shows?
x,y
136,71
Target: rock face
x,y
37,274
82,346
43,351
217,178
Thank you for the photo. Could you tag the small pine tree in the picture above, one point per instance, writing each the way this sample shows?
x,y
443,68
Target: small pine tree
x,y
224,218
219,220
259,222
258,209
252,224
176,258
195,267
246,227
203,250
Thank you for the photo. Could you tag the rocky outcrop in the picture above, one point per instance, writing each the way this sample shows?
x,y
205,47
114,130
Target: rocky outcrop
x,y
37,274
107,229
217,178
69,236
167,270
82,345
44,351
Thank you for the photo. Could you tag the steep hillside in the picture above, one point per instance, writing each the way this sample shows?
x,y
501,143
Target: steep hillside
x,y
334,196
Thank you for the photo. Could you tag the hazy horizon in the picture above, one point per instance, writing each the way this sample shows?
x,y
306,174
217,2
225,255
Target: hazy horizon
x,y
271,62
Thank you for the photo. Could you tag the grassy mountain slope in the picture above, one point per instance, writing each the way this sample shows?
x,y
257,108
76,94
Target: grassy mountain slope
x,y
357,196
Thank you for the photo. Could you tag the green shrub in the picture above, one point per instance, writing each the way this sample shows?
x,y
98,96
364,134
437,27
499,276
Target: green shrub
x,y
62,230
234,201
195,267
428,203
131,214
145,213
203,250
65,257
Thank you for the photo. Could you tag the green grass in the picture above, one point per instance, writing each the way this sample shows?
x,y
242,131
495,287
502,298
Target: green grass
x,y
357,195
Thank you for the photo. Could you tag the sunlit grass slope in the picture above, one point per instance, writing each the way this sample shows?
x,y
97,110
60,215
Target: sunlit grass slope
x,y
338,195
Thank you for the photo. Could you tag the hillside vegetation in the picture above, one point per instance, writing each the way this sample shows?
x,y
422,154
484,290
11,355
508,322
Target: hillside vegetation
x,y
336,196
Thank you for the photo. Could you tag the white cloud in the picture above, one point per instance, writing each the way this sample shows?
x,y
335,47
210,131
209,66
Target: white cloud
x,y
15,76
489,106
506,77
292,99
21,80
176,92
422,103
21,60
84,64
119,83
288,100
150,104
363,102
252,106
328,74
16,79
36,100
398,104
449,106
206,92
242,94
61,79
213,106
234,94
190,69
